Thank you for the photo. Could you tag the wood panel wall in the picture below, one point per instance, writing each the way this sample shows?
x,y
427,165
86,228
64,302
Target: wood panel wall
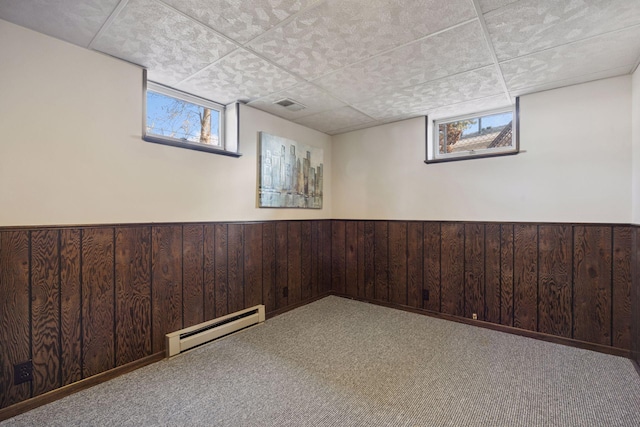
x,y
80,301
635,297
567,280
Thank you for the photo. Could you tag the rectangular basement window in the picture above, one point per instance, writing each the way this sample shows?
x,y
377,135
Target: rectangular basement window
x,y
179,119
487,134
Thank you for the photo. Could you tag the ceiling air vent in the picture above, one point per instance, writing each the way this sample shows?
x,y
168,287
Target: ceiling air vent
x,y
290,104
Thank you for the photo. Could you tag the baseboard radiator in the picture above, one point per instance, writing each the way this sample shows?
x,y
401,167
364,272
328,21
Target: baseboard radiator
x,y
187,338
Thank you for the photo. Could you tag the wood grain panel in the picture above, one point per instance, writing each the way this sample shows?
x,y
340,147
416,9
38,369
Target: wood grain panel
x,y
398,262
269,266
14,313
338,256
70,306
360,265
635,294
236,268
325,236
166,292
351,258
381,251
209,266
369,260
554,280
474,270
506,275
622,243
252,264
452,269
45,310
282,270
133,294
315,257
431,252
306,268
192,274
294,263
492,273
592,284
221,239
525,287
415,260
98,305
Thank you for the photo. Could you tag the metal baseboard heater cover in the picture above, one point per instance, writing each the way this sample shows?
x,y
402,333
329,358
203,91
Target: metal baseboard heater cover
x,y
187,338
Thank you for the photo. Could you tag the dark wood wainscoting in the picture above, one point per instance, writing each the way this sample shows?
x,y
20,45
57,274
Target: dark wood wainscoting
x,y
80,301
83,301
567,280
635,299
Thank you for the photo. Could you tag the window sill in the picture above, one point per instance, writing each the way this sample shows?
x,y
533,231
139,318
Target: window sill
x,y
480,156
191,146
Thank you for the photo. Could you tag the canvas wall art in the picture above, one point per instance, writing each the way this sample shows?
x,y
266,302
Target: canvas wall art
x,y
291,174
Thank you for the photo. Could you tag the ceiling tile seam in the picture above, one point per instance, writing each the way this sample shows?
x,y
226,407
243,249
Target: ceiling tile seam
x,y
107,23
201,24
492,12
373,119
485,32
207,66
360,101
523,91
635,66
482,98
400,46
571,43
285,21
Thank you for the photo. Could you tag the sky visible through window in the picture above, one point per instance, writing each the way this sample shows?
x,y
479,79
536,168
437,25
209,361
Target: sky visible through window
x,y
494,121
175,118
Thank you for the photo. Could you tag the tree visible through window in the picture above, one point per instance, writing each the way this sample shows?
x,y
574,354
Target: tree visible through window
x,y
179,119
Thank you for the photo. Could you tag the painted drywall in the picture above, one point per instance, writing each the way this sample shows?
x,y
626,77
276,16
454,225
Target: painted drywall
x,y
635,135
72,153
575,166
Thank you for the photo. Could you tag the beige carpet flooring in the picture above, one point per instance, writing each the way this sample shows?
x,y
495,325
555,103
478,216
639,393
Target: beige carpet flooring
x,y
338,362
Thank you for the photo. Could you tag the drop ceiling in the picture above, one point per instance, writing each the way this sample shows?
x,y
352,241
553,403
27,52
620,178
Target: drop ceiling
x,y
353,63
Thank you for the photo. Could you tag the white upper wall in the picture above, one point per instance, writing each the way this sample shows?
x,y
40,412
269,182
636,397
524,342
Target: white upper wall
x,y
575,166
71,149
635,123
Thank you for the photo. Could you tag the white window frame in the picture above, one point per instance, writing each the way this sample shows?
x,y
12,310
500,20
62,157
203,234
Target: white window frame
x,y
433,149
226,146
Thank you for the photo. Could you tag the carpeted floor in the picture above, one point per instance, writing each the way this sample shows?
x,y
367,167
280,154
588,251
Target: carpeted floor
x,y
338,362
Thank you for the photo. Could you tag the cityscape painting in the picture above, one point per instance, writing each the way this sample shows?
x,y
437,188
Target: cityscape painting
x,y
291,174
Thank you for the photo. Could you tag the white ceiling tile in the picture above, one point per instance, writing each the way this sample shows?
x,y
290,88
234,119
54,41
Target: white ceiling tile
x,y
170,45
76,21
470,107
613,72
489,5
313,98
453,51
336,32
613,50
241,76
530,26
449,90
239,20
335,119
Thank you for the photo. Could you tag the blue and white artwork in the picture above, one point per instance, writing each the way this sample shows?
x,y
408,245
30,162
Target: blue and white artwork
x,y
291,174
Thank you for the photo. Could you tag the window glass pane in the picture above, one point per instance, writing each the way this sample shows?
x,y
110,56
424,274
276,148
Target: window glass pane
x,y
175,118
480,133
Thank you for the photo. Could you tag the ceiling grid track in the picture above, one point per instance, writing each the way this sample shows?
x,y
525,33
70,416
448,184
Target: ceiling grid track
x,y
108,22
492,50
